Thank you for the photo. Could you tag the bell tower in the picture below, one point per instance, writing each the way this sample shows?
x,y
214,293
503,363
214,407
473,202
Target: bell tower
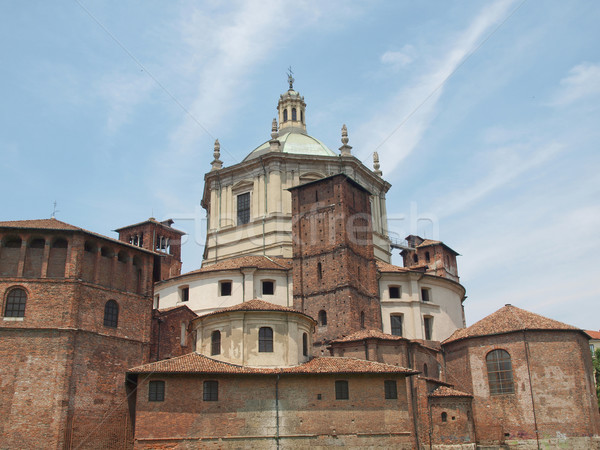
x,y
335,276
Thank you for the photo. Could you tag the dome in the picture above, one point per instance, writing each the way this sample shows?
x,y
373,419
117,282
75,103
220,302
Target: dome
x,y
294,143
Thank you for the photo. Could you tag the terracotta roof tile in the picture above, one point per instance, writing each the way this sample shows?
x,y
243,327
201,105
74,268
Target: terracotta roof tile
x,y
385,267
434,380
256,305
174,308
197,363
368,334
39,224
445,391
259,262
507,320
154,221
55,224
593,334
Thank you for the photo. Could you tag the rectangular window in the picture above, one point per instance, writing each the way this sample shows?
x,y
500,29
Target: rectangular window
x,y
341,390
243,208
428,323
268,287
391,390
225,288
211,391
185,294
396,321
395,292
265,340
425,295
156,391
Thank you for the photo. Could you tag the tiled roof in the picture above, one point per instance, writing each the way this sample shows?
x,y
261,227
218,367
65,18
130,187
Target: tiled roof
x,y
434,380
154,221
196,363
256,305
368,334
385,267
258,262
55,224
40,224
445,391
174,308
508,319
331,364
593,334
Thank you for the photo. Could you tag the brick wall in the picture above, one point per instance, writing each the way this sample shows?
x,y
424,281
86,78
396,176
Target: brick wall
x,y
167,333
561,388
247,412
334,268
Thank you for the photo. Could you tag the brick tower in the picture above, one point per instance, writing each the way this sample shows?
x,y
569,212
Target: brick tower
x,y
334,268
158,237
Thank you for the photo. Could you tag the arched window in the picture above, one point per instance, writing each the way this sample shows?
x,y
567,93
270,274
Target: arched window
x,y
425,370
301,116
500,374
15,303
444,417
322,317
285,115
111,314
294,116
304,344
215,343
265,339
362,319
319,271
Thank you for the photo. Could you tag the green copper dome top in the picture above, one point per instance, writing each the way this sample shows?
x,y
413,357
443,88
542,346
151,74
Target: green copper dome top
x,y
294,143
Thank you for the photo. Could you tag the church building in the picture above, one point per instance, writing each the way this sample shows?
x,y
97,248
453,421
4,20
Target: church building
x,y
296,332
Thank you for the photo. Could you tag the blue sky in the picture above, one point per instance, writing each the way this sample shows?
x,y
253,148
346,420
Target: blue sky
x,y
485,116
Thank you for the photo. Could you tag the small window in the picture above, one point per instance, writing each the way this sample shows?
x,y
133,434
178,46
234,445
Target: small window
x,y
362,319
428,324
294,116
425,294
183,335
211,391
444,417
268,287
185,294
243,208
427,257
156,391
285,115
415,258
225,288
265,340
301,116
319,271
322,318
391,389
304,344
111,314
215,343
341,390
15,303
425,370
396,322
395,292
500,374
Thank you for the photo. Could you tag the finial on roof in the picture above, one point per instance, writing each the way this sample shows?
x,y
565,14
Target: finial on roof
x,y
291,78
376,165
275,145
345,148
217,163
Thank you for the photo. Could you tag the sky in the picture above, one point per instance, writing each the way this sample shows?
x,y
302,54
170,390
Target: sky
x,y
485,115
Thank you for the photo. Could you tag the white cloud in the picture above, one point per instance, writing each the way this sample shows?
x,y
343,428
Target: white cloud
x,y
399,58
401,123
583,81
